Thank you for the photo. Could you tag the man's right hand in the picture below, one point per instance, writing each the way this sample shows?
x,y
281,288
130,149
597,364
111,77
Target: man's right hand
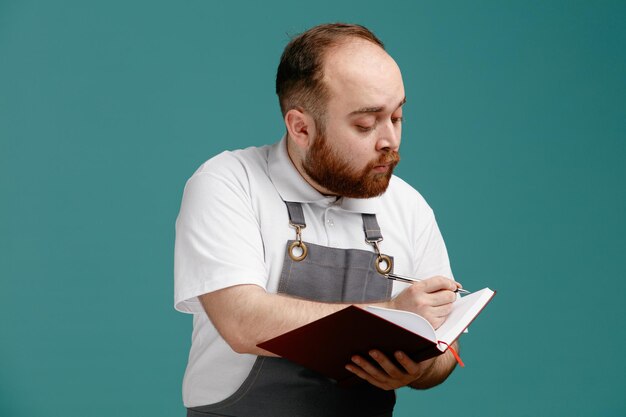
x,y
431,298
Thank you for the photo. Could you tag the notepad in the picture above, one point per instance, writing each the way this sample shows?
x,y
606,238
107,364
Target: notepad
x,y
327,345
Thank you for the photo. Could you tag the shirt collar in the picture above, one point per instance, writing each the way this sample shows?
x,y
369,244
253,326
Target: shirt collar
x,y
291,186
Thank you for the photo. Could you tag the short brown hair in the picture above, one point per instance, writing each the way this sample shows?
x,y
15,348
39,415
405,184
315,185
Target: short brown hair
x,y
299,76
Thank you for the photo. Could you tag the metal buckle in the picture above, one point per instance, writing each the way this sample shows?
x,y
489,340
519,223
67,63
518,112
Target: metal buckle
x,y
384,264
298,243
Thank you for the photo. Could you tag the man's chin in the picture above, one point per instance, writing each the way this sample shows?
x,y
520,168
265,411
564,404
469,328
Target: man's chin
x,y
377,185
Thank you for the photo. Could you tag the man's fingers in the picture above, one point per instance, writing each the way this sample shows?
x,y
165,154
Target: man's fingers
x,y
424,295
364,369
438,312
438,283
442,297
388,375
389,367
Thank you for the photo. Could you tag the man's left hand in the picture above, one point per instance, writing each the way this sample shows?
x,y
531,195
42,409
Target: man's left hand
x,y
390,376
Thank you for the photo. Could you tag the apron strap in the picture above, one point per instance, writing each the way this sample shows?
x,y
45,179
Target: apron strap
x,y
370,224
296,215
373,236
371,228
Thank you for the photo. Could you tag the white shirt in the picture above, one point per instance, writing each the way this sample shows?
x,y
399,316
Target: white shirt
x,y
233,227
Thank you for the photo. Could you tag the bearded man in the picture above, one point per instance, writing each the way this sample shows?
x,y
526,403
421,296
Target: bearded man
x,y
271,238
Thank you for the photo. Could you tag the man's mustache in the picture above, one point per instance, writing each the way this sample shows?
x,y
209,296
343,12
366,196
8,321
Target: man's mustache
x,y
391,157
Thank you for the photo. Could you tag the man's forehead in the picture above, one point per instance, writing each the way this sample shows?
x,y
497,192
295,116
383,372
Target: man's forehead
x,y
363,98
361,75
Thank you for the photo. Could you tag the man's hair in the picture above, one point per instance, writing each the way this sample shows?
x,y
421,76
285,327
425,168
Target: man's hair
x,y
299,79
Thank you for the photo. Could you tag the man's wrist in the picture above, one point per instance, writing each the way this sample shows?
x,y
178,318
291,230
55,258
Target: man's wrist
x,y
419,383
439,370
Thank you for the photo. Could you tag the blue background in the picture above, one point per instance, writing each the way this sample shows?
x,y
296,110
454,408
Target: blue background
x,y
515,133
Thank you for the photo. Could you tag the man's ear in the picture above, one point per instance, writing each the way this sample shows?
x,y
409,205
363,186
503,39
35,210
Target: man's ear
x,y
300,127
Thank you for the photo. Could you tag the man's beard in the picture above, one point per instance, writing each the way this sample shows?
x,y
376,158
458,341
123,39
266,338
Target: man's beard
x,y
326,168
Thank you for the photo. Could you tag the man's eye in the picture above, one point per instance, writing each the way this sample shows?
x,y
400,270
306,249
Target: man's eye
x,y
364,128
395,120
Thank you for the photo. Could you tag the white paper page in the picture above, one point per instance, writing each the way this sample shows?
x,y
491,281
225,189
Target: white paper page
x,y
463,312
410,321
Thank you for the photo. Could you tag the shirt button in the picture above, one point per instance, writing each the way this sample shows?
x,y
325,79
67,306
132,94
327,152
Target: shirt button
x,y
330,222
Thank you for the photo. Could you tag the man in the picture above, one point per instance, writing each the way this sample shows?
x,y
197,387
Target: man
x,y
271,238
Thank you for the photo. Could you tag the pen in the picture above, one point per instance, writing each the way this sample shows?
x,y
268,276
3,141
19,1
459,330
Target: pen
x,y
403,278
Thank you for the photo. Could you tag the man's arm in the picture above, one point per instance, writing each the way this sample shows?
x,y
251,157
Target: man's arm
x,y
246,315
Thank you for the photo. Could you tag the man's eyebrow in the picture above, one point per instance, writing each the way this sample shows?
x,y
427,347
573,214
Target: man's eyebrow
x,y
374,109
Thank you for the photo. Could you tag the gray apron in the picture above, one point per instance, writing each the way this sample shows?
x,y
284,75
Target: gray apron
x,y
277,387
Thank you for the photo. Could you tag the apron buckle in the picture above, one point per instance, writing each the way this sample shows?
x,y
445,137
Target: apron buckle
x,y
384,264
298,243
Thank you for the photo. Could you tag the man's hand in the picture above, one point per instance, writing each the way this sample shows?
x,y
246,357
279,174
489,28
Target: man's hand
x,y
390,376
431,298
420,375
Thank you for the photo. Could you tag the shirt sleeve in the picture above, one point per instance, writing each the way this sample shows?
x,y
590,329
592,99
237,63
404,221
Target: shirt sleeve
x,y
218,241
431,253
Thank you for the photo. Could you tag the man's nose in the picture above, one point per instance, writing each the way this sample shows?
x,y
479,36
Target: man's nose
x,y
389,138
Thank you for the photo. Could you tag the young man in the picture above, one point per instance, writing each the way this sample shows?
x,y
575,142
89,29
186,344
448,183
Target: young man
x,y
271,238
